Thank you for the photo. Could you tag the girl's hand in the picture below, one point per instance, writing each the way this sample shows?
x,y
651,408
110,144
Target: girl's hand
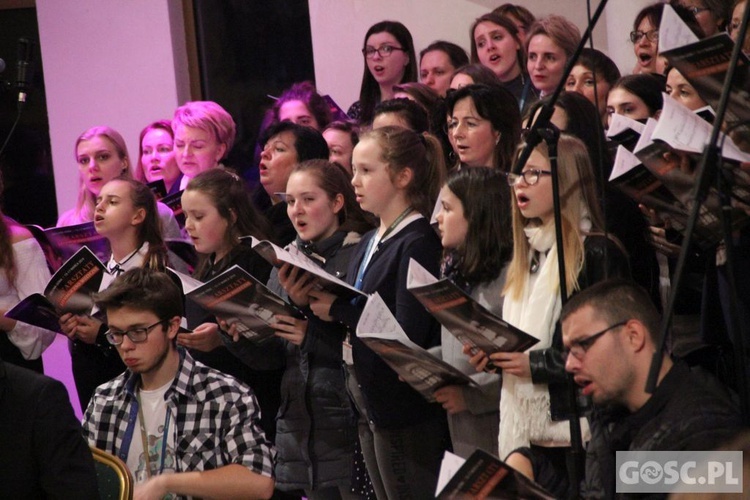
x,y
205,338
80,327
477,358
297,284
230,329
658,238
291,329
515,363
452,399
68,324
320,303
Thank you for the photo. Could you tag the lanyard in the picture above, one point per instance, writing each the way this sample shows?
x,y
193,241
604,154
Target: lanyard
x,y
144,437
365,261
117,269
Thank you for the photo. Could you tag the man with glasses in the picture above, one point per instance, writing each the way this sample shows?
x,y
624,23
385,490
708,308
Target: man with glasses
x,y
609,332
199,426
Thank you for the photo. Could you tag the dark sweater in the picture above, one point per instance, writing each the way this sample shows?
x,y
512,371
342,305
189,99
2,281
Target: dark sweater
x,y
390,402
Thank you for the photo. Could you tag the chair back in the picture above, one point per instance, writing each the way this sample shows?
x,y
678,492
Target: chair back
x,y
114,478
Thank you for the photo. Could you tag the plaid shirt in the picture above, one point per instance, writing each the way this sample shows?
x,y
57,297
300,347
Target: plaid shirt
x,y
216,419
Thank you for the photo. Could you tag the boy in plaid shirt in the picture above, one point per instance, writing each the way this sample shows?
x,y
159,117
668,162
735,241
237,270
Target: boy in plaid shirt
x,y
200,426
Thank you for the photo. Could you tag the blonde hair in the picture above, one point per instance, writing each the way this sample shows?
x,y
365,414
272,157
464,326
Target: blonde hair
x,y
208,116
578,200
86,202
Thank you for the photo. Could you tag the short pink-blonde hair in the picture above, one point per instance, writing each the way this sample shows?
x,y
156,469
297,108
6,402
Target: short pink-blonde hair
x,y
208,116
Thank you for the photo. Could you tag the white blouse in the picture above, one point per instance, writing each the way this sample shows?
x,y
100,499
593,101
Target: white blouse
x,y
32,277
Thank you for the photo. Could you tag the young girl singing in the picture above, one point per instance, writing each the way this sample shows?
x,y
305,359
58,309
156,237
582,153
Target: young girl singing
x,y
316,429
397,174
218,211
533,386
474,225
125,213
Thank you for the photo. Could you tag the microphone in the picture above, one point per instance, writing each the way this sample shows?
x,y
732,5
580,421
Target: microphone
x,y
23,75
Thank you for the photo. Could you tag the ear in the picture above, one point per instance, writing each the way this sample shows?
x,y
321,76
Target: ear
x,y
138,217
657,115
338,203
173,327
637,335
233,216
221,152
404,178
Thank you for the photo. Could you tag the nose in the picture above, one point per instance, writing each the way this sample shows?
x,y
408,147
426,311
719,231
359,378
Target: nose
x,y
572,364
295,207
644,41
458,130
99,207
188,223
266,153
538,63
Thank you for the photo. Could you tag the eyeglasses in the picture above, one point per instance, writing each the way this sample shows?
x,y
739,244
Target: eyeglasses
x,y
578,348
697,10
652,36
734,25
383,51
530,177
136,335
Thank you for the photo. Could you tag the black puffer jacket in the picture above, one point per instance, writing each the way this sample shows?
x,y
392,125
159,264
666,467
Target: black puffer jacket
x,y
315,425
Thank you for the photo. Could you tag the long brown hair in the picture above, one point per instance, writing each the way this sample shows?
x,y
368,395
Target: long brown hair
x,y
149,231
334,180
227,193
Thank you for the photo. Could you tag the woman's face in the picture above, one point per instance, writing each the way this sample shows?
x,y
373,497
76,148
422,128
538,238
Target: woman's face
x,y
681,91
581,80
435,70
386,70
298,112
705,17
196,150
277,160
622,102
452,224
646,50
205,225
734,25
535,201
497,50
461,80
98,163
157,157
546,62
114,209
313,214
340,147
474,137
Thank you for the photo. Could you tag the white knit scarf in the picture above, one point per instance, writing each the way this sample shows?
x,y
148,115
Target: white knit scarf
x,y
525,406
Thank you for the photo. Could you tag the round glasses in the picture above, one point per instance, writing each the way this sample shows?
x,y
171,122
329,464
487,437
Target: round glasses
x,y
530,176
651,36
136,335
383,51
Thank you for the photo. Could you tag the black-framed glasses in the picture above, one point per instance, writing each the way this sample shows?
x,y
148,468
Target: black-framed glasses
x,y
136,335
651,36
530,176
383,50
578,348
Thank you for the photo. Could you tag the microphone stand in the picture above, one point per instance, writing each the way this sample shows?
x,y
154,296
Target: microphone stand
x,y
537,132
708,173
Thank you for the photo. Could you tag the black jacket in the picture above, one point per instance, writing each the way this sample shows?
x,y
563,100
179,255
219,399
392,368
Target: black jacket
x,y
42,450
603,259
315,424
689,410
390,402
